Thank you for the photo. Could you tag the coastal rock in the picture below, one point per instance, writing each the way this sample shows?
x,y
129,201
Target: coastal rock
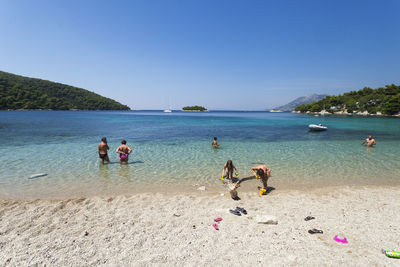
x,y
202,188
266,219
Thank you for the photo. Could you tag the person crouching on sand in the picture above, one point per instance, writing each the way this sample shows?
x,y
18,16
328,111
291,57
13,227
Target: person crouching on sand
x,y
123,150
262,172
228,169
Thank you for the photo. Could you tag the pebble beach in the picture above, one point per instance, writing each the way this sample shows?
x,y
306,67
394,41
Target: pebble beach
x,y
160,229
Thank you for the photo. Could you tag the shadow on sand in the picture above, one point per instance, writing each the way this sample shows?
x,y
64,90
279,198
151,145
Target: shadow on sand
x,y
240,181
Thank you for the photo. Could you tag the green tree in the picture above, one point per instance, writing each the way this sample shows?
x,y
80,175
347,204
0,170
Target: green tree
x,y
392,106
315,107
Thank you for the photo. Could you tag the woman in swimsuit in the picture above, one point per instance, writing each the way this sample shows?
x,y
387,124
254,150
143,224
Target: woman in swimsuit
x,y
123,150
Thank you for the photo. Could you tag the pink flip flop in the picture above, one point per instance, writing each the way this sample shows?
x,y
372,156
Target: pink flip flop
x,y
218,219
215,226
340,239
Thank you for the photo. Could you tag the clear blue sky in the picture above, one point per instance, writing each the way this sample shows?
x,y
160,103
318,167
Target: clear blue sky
x,y
229,54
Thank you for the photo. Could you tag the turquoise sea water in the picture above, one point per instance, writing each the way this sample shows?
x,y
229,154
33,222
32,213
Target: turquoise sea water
x,y
175,149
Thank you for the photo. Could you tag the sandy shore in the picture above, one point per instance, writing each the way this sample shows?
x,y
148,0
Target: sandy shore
x,y
156,229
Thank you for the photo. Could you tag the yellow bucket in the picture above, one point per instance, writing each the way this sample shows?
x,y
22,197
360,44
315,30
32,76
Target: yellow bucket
x,y
262,191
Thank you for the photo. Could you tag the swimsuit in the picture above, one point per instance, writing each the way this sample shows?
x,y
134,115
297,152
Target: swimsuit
x,y
102,156
125,155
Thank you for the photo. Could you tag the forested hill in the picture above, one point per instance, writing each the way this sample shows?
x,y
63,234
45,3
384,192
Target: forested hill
x,y
19,92
385,100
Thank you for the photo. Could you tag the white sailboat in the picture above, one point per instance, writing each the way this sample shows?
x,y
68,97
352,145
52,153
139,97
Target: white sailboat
x,y
168,110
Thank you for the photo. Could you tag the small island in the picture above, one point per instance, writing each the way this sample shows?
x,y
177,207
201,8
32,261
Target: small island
x,y
194,108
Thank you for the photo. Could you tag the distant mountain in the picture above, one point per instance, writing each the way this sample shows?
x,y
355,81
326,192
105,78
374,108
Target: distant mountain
x,y
300,101
19,92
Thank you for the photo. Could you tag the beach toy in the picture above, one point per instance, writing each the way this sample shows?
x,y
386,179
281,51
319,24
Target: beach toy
x,y
218,219
215,226
237,173
257,177
340,239
262,191
222,178
391,253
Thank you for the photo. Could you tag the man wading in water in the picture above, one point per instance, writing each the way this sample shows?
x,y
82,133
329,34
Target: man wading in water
x,y
103,147
370,141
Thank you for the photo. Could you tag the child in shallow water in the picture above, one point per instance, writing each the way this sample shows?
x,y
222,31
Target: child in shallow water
x,y
214,143
228,169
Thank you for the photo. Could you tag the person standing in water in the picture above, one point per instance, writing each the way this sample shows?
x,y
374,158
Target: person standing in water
x,y
263,172
228,169
103,148
214,143
123,150
370,141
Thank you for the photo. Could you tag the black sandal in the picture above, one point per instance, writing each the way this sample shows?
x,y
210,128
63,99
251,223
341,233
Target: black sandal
x,y
235,212
315,231
242,210
309,218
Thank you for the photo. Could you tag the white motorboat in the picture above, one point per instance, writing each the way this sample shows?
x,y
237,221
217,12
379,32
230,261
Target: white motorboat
x,y
167,110
317,127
